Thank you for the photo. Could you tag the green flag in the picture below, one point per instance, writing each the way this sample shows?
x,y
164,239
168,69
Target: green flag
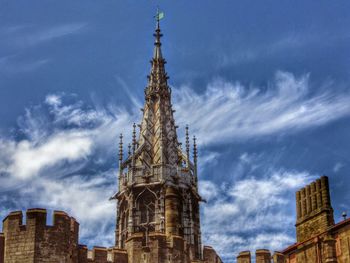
x,y
159,16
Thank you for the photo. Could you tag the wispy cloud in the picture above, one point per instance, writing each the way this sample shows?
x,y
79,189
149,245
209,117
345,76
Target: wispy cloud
x,y
62,147
230,111
12,64
31,36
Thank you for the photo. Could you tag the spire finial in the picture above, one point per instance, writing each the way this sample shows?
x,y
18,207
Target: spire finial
x,y
195,152
129,149
157,51
195,155
134,138
121,147
187,143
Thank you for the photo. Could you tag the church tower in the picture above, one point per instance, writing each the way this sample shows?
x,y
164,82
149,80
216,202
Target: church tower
x,y
158,218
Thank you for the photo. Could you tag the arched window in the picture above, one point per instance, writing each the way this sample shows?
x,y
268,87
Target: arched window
x,y
147,208
123,222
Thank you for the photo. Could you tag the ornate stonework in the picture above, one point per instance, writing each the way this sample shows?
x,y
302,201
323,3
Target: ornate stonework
x,y
158,219
158,202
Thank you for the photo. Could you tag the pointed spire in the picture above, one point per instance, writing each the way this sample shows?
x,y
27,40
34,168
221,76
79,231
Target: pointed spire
x,y
157,52
121,147
134,138
195,155
187,146
157,80
129,149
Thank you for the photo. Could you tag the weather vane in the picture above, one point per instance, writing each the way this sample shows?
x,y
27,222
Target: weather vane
x,y
159,15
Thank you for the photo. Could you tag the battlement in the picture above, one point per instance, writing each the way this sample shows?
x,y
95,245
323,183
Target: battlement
x,y
35,240
313,198
36,218
261,256
102,255
314,210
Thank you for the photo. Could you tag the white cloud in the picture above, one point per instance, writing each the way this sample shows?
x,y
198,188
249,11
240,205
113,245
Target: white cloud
x,y
28,159
86,197
252,212
60,139
230,112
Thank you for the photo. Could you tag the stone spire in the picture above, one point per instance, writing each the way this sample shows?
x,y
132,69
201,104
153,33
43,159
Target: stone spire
x,y
158,140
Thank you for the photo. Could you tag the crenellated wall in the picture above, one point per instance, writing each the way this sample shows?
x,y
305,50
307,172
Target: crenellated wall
x,y
102,255
261,256
36,241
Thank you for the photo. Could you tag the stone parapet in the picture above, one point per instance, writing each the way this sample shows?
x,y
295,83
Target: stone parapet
x,y
262,256
244,257
36,241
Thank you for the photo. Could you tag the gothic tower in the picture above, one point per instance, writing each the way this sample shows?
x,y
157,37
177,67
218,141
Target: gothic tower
x,y
158,216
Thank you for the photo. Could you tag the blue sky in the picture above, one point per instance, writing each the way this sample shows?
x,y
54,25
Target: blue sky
x,y
263,84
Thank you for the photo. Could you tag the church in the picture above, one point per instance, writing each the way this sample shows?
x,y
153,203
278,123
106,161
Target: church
x,y
158,204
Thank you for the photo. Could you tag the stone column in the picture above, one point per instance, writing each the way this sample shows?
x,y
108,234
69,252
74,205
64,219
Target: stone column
x,y
171,212
330,249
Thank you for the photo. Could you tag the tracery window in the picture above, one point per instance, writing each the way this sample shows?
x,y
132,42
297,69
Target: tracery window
x,y
147,208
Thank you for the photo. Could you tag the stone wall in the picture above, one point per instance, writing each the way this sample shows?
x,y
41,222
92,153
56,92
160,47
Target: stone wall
x,y
342,237
37,242
102,255
2,247
261,256
244,257
159,248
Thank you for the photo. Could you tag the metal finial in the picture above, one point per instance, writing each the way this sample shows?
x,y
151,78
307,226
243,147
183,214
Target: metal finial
x,y
187,143
121,147
344,215
134,137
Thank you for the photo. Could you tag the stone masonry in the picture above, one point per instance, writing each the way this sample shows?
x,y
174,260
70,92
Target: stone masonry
x,y
37,242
